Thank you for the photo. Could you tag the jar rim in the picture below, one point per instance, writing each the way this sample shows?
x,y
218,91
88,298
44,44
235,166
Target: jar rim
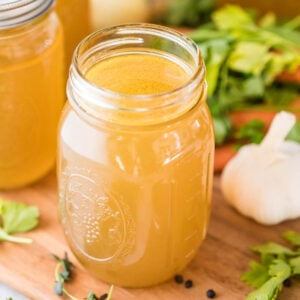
x,y
18,12
136,27
96,103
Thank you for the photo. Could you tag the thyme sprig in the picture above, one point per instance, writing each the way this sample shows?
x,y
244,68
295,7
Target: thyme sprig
x,y
63,273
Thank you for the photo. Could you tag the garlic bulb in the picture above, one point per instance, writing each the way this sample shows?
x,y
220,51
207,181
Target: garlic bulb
x,y
263,181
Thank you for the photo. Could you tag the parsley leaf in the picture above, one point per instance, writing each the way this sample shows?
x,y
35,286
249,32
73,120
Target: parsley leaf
x,y
251,132
273,248
257,275
279,272
16,217
295,264
278,263
243,58
294,135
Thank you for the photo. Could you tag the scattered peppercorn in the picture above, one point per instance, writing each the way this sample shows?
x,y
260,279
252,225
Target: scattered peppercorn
x,y
210,294
103,297
188,284
287,282
178,279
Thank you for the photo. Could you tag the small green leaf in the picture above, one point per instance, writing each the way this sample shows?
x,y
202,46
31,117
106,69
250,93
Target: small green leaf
x,y
91,296
280,269
295,264
273,248
222,128
257,275
216,52
18,217
268,291
294,135
230,17
253,87
252,132
249,58
58,288
268,20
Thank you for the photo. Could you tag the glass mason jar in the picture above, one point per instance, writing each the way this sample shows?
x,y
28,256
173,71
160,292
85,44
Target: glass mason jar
x,y
31,90
136,154
74,15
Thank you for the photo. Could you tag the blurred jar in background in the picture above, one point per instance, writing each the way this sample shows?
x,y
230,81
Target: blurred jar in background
x,y
74,15
106,13
31,89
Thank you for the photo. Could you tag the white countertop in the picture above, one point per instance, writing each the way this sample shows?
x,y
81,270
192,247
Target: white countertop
x,y
7,292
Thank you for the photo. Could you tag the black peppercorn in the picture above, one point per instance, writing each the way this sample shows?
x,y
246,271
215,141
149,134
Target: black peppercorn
x,y
287,282
178,279
188,284
211,294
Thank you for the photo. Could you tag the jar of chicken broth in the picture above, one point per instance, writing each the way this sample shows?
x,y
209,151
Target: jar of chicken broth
x,y
31,89
75,18
136,153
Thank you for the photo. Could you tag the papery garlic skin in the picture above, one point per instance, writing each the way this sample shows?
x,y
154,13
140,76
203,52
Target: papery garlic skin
x,y
263,181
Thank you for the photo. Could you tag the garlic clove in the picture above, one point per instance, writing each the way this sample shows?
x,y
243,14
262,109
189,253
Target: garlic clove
x,y
282,123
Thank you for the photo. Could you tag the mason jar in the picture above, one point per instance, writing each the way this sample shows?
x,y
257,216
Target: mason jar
x,y
74,15
136,152
31,90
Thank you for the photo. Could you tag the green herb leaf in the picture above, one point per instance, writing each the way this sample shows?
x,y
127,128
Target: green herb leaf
x,y
63,272
243,58
188,12
58,288
295,264
216,53
278,263
279,272
257,275
91,296
292,237
249,57
231,17
294,135
251,132
222,127
16,217
273,248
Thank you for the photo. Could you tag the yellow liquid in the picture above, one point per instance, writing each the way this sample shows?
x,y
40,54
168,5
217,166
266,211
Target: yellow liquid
x,y
31,99
74,15
135,202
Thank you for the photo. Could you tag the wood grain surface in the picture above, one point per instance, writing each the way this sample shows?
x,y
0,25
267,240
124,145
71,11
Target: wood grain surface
x,y
220,261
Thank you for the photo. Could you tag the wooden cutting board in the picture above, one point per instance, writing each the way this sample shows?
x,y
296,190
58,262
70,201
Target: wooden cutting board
x,y
223,257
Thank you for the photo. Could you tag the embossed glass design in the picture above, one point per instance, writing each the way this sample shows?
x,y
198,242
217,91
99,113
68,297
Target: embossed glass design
x,y
31,90
135,154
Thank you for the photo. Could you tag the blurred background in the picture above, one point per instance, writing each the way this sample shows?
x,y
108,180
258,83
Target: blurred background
x,y
177,12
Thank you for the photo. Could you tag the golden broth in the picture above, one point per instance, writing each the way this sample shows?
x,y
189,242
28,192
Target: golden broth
x,y
74,15
31,99
135,200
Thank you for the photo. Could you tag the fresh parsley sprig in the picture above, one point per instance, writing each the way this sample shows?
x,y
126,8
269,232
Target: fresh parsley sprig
x,y
244,57
16,217
63,273
278,264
